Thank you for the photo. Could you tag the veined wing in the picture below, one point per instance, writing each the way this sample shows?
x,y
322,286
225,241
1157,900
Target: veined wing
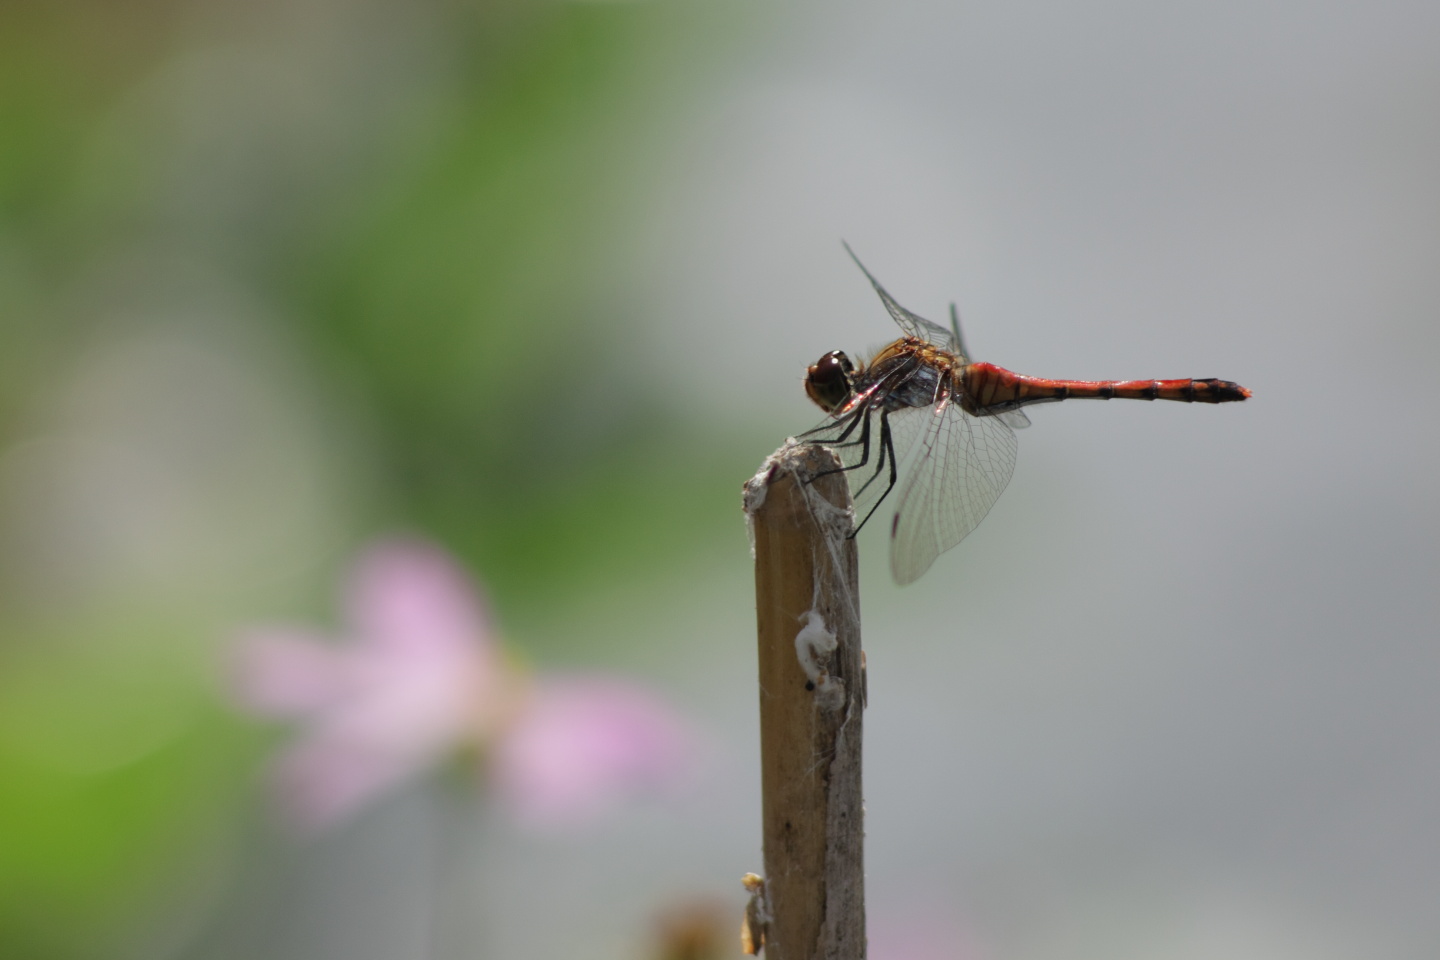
x,y
1014,419
915,326
959,346
956,471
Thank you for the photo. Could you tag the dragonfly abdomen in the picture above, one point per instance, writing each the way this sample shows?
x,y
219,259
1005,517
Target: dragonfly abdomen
x,y
987,386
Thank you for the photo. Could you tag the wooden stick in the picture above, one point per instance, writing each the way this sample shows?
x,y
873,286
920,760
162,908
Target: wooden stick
x,y
812,693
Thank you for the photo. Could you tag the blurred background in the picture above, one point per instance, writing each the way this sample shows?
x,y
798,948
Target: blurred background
x,y
539,281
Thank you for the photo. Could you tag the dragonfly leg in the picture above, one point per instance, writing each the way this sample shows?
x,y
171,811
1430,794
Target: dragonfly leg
x,y
855,416
863,443
887,451
885,446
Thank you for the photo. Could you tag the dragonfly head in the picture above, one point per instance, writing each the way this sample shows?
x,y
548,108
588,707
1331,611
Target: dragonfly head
x,y
829,381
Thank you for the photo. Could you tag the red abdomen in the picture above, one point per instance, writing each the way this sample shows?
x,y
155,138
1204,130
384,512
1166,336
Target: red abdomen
x,y
986,386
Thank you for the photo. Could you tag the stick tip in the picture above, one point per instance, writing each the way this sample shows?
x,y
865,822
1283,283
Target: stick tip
x,y
802,461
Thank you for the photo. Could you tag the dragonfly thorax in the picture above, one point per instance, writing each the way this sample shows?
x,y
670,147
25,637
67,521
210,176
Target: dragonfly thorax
x,y
830,381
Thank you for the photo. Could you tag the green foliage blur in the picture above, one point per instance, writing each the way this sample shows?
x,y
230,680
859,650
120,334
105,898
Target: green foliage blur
x,y
275,278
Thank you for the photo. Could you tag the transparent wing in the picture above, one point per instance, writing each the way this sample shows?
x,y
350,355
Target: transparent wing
x,y
956,471
960,347
915,326
1014,419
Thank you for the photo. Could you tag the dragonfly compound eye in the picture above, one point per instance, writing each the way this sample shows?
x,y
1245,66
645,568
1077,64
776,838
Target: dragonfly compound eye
x,y
827,381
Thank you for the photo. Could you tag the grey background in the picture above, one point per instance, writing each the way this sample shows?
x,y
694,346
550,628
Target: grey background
x,y
1177,696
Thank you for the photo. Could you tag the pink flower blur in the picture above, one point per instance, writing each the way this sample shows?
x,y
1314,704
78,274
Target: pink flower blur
x,y
930,930
581,744
418,676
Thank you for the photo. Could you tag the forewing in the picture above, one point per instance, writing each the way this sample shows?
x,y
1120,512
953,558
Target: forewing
x,y
915,326
959,341
956,471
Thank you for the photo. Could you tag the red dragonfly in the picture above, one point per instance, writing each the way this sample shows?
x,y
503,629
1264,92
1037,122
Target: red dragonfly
x,y
920,407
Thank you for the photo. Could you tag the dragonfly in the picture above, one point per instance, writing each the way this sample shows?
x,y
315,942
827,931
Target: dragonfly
x,y
921,416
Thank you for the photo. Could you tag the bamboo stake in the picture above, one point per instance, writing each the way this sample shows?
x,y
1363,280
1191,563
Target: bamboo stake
x,y
811,904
